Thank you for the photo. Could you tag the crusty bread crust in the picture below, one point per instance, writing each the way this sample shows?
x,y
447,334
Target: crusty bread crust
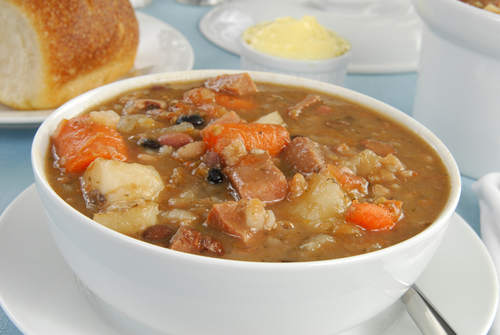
x,y
80,45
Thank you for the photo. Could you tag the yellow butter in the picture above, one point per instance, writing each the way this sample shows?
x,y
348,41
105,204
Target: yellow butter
x,y
303,39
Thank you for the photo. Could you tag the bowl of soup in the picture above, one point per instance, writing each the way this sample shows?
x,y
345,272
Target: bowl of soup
x,y
208,202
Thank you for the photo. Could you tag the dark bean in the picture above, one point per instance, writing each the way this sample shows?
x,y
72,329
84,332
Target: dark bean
x,y
215,176
194,119
149,143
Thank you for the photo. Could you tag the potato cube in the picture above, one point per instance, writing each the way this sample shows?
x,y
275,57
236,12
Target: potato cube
x,y
272,118
323,202
112,181
131,219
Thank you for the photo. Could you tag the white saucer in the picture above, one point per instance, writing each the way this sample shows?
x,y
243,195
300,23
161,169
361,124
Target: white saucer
x,y
161,49
385,34
42,296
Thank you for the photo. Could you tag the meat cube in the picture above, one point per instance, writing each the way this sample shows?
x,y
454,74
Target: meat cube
x,y
310,100
229,217
239,84
107,181
241,219
255,176
304,155
157,233
129,218
193,242
229,117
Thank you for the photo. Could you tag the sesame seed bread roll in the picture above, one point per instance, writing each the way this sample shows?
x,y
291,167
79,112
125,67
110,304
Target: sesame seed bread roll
x,y
53,50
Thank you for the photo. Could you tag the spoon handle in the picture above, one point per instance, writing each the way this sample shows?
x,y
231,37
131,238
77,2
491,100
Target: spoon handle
x,y
427,319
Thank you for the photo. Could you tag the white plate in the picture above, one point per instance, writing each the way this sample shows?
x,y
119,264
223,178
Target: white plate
x,y
385,34
42,296
161,49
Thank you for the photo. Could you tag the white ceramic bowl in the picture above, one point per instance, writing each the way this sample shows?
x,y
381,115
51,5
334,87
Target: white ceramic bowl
x,y
333,70
458,85
179,293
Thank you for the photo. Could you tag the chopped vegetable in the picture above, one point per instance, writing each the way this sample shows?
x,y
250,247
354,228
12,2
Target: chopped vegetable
x,y
349,181
79,141
270,137
382,216
233,102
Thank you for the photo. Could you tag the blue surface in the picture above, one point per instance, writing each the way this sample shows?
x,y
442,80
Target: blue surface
x,y
397,90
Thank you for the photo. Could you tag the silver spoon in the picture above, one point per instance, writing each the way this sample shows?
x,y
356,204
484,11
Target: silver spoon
x,y
426,317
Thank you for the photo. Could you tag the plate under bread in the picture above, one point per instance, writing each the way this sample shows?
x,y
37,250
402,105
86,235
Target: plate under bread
x,y
161,49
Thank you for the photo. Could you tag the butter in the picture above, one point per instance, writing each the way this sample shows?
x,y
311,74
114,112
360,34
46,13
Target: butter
x,y
303,39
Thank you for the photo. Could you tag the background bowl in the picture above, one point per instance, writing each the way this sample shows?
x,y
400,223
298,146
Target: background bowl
x,y
179,293
333,70
458,84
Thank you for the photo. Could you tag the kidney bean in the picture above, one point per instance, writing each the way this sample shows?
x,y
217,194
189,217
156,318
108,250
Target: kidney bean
x,y
175,140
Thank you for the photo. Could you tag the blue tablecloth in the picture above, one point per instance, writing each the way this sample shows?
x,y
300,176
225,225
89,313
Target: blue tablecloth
x,y
397,90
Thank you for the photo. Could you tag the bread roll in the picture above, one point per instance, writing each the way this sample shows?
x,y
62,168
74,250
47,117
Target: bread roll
x,y
54,50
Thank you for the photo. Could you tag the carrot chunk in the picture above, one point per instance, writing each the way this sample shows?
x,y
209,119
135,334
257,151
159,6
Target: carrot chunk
x,y
375,216
79,141
234,103
348,180
270,137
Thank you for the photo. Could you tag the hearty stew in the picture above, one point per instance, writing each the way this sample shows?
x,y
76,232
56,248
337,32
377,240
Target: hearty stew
x,y
250,171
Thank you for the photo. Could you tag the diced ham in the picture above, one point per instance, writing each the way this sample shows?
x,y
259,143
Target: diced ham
x,y
229,117
193,242
380,148
304,155
310,100
158,233
255,176
229,217
239,84
241,219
